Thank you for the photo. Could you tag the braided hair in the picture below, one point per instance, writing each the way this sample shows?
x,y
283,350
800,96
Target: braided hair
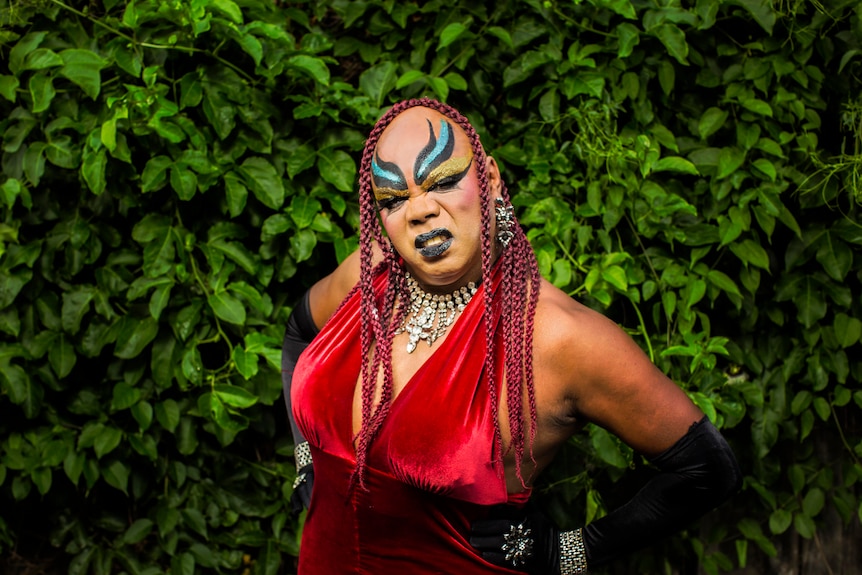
x,y
380,318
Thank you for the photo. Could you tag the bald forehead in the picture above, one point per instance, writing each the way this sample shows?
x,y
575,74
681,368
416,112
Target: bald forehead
x,y
408,133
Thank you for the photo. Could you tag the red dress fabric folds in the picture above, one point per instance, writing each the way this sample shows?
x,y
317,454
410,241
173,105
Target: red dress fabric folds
x,y
432,469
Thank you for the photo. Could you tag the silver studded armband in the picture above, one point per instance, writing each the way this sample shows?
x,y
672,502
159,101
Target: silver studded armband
x,y
302,455
573,557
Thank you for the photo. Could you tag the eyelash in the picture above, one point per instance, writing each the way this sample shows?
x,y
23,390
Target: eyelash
x,y
389,203
443,184
449,182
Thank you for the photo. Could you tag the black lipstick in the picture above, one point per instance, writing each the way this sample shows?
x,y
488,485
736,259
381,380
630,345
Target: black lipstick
x,y
436,249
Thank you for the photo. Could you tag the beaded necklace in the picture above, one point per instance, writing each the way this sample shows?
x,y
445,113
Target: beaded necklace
x,y
430,315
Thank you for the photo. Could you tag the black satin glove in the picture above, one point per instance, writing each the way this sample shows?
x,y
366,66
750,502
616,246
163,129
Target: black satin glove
x,y
524,539
299,332
302,485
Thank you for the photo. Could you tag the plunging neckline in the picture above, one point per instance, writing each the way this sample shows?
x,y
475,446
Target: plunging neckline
x,y
443,342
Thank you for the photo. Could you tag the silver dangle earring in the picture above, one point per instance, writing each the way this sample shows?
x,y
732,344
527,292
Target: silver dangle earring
x,y
505,215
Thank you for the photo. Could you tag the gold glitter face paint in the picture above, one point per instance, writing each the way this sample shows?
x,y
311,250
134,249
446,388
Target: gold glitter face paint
x,y
448,173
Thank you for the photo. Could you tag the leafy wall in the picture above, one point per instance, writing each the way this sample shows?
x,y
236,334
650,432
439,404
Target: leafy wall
x,y
175,174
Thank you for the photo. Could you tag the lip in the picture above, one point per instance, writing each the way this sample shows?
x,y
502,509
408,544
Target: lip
x,y
437,249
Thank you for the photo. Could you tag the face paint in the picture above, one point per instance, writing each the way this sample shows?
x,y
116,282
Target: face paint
x,y
434,169
387,174
448,173
435,152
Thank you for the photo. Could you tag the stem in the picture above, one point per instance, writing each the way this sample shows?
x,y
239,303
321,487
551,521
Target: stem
x,y
841,435
189,49
644,332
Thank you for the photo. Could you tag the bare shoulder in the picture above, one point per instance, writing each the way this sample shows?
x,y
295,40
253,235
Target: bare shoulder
x,y
328,293
605,377
566,327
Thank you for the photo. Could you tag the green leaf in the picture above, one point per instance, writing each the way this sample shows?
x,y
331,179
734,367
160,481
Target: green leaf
x,y
813,502
142,411
184,182
675,164
124,396
607,447
154,175
135,335
117,475
62,356
303,210
314,67
107,440
628,36
761,11
757,106
42,92
804,525
766,167
848,330
235,396
616,276
137,531
376,82
821,406
779,521
711,121
729,161
264,181
76,303
183,564
227,307
722,281
451,33
835,257
236,193
93,170
302,245
408,78
9,87
246,363
26,45
751,252
337,168
168,414
269,560
83,67
674,40
159,300
42,58
228,8
195,520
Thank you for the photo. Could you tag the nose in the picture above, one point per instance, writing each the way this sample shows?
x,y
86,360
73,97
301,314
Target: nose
x,y
421,207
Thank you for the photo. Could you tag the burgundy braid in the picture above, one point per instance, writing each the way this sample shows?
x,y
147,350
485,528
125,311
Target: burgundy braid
x,y
519,285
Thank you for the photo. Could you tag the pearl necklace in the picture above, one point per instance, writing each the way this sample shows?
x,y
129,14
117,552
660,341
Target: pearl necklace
x,y
430,315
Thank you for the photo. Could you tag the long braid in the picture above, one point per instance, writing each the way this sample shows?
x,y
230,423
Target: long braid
x,y
380,318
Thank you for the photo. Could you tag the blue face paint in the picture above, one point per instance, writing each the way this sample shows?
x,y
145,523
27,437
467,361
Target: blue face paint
x,y
387,174
435,152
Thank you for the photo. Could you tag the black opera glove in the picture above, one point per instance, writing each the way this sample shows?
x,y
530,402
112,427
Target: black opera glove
x,y
299,332
527,540
304,482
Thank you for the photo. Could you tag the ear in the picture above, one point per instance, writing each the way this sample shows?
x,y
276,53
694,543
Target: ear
x,y
495,180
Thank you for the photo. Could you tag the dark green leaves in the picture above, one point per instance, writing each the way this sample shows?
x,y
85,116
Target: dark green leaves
x,y
83,68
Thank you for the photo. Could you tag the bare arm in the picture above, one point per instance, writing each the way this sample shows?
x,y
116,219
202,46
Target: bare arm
x,y
592,371
327,294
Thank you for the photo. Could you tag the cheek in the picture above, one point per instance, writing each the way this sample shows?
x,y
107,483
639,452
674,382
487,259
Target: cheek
x,y
468,201
389,225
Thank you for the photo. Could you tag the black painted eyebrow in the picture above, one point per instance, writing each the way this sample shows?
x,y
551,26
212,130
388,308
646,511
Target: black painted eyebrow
x,y
435,152
387,174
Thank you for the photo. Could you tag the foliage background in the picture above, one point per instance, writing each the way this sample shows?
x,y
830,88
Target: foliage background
x,y
175,174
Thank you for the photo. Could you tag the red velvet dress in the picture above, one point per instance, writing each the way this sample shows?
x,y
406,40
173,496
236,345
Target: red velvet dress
x,y
432,469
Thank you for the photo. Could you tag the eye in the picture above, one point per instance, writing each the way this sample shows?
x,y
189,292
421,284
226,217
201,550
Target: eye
x,y
389,203
445,183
